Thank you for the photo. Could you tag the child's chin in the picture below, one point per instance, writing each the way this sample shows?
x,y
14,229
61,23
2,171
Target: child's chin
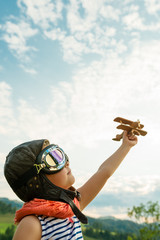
x,y
72,180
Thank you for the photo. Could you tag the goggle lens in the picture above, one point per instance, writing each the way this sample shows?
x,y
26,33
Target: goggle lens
x,y
55,157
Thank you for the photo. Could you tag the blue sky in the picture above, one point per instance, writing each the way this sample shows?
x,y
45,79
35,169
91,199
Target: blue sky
x,y
67,69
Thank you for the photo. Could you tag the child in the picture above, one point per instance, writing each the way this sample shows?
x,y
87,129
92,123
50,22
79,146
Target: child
x,y
39,173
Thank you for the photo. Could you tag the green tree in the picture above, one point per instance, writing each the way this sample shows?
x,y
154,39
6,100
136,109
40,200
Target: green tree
x,y
8,235
149,217
6,208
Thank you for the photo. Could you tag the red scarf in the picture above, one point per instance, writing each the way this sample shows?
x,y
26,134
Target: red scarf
x,y
45,207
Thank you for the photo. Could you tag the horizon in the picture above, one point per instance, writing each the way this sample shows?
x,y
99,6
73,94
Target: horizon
x,y
87,213
67,69
18,201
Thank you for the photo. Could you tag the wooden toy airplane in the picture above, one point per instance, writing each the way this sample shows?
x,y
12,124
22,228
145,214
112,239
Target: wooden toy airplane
x,y
130,126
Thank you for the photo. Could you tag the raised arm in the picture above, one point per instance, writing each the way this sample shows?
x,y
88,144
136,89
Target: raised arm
x,y
92,187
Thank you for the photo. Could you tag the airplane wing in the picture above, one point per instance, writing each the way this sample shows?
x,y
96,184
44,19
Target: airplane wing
x,y
126,121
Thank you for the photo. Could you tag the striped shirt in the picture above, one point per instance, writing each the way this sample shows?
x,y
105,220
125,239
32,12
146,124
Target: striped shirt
x,y
55,228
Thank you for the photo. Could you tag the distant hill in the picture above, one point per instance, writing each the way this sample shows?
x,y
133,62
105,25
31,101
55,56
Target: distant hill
x,y
14,203
112,224
108,223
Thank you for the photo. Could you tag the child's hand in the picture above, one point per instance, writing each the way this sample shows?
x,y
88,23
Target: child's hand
x,y
130,140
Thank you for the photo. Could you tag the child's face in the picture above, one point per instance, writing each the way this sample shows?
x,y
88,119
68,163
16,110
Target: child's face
x,y
63,178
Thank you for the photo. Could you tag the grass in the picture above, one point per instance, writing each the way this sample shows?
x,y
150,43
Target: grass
x,y
6,220
88,238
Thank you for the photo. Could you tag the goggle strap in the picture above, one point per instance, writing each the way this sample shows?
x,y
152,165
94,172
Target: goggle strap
x,y
39,167
76,211
27,176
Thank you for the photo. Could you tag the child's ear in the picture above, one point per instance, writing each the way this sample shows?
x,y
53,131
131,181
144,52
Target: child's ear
x,y
45,144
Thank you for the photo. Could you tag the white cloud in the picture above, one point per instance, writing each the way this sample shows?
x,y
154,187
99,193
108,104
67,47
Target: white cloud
x,y
84,42
6,190
134,21
92,8
86,105
16,36
87,27
2,157
31,120
123,192
152,6
29,70
141,185
43,13
74,20
82,34
89,31
55,34
125,2
110,12
7,120
73,49
81,111
96,212
18,32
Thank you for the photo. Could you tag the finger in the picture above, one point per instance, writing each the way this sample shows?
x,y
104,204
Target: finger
x,y
133,138
125,133
131,135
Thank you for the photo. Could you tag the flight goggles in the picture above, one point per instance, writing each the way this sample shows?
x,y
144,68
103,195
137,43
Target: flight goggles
x,y
52,159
